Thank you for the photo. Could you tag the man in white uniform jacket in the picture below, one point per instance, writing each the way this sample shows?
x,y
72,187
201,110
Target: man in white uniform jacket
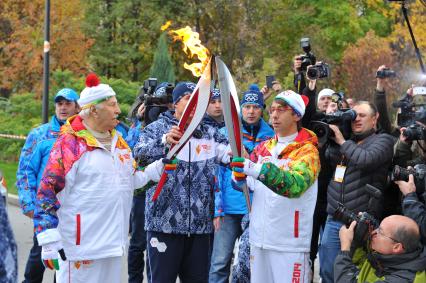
x,y
283,174
84,199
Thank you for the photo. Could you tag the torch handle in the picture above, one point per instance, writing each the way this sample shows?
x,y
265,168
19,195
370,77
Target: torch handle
x,y
247,197
160,186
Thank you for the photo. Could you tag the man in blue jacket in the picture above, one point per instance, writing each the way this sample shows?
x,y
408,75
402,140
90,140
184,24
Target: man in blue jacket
x,y
33,159
230,206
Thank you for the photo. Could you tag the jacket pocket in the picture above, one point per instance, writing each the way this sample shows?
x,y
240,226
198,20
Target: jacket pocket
x,y
296,224
78,229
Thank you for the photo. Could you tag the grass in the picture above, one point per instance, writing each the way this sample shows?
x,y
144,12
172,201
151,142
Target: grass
x,y
9,171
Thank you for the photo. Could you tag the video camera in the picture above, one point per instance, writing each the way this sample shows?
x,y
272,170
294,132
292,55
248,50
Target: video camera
x,y
342,118
385,73
419,173
408,104
317,70
156,98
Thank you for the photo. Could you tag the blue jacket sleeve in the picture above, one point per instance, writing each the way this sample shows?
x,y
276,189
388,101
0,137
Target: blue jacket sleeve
x,y
150,147
26,176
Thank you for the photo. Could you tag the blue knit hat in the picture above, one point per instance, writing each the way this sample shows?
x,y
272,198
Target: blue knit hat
x,y
252,96
182,89
215,94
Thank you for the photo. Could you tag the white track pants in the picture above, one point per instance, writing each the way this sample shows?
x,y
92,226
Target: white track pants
x,y
105,270
279,267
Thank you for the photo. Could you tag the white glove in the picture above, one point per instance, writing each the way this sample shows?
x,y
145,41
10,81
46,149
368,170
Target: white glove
x,y
251,168
154,170
49,254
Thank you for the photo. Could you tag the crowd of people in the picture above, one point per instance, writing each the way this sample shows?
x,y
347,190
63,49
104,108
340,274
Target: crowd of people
x,y
83,179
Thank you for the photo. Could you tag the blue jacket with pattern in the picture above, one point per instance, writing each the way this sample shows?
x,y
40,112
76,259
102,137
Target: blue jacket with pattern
x,y
8,252
186,203
33,159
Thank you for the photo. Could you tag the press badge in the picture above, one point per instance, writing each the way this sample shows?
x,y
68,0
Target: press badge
x,y
340,173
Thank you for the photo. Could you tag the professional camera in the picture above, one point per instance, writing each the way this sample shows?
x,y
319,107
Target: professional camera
x,y
342,118
419,173
385,73
318,71
308,58
415,132
365,223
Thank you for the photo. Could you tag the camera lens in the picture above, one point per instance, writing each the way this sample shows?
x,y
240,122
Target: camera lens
x,y
312,73
344,215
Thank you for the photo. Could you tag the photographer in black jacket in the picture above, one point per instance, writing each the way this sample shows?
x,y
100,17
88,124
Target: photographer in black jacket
x,y
363,159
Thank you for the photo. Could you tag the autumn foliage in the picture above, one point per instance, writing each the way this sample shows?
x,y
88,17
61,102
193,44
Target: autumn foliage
x,y
21,58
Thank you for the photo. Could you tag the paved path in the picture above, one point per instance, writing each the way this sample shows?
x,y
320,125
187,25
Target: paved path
x,y
22,227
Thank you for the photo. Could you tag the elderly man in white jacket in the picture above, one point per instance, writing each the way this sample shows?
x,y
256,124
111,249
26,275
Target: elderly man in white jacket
x,y
84,199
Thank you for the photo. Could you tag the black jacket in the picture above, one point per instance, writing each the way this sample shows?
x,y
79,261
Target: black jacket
x,y
366,163
401,268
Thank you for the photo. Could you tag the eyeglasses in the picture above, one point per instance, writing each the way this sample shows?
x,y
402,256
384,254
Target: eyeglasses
x,y
279,109
380,232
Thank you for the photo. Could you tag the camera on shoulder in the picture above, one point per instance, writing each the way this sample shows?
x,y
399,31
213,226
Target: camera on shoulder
x,y
156,98
342,118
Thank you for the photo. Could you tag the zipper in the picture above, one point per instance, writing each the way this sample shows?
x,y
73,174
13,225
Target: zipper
x,y
342,195
189,190
252,135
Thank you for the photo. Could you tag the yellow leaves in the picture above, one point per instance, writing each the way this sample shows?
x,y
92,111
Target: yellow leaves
x,y
21,63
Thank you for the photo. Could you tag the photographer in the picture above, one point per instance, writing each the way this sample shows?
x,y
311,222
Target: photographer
x,y
384,122
395,254
411,205
363,159
409,152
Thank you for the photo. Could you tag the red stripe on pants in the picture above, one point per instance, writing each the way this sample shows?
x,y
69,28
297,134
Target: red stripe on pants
x,y
296,224
77,240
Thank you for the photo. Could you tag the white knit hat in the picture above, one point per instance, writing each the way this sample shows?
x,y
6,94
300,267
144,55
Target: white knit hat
x,y
94,92
325,92
296,101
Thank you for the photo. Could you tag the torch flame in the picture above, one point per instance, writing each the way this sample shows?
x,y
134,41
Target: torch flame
x,y
192,47
166,25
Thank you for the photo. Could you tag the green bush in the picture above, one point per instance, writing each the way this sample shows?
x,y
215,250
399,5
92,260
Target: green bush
x,y
10,149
